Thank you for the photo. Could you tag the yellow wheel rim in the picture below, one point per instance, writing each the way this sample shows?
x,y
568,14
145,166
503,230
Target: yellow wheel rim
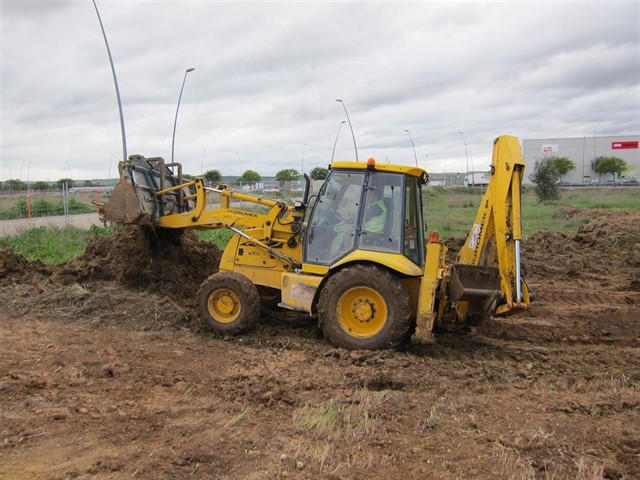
x,y
362,312
224,305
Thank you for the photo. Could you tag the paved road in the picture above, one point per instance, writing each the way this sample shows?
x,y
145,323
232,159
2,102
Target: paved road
x,y
12,227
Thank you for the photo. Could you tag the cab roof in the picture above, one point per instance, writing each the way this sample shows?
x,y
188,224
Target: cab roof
x,y
418,172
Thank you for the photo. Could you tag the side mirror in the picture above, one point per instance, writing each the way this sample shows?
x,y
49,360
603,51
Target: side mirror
x,y
307,188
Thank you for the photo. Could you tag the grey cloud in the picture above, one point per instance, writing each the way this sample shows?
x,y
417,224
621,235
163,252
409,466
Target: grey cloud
x,y
267,76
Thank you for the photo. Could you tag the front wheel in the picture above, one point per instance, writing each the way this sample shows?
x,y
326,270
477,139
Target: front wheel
x,y
365,307
228,302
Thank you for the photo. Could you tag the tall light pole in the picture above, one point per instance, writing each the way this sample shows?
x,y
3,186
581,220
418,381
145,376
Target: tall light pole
x,y
21,165
109,171
115,82
175,122
239,163
466,152
425,162
355,147
413,146
336,142
202,162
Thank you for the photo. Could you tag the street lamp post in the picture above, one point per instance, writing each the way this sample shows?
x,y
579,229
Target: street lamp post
x,y
336,142
175,121
109,171
115,81
240,163
466,152
202,162
355,147
413,146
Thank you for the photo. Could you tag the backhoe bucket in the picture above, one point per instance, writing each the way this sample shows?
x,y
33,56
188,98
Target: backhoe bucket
x,y
477,285
135,199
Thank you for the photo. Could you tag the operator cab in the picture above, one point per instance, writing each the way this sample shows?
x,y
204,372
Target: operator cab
x,y
367,207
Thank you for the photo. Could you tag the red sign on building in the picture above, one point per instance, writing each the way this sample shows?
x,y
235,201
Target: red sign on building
x,y
623,145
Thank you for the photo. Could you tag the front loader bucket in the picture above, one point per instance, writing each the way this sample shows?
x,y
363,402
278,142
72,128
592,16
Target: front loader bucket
x,y
137,200
124,206
477,285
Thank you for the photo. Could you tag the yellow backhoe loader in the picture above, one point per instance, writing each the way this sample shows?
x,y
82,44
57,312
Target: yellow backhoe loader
x,y
361,263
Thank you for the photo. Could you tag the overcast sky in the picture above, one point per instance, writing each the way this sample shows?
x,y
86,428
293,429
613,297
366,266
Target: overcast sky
x,y
267,76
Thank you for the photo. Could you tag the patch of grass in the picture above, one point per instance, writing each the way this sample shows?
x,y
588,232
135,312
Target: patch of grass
x,y
239,417
53,245
354,420
453,213
219,237
331,424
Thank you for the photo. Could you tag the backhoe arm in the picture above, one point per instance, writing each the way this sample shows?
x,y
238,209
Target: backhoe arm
x,y
494,241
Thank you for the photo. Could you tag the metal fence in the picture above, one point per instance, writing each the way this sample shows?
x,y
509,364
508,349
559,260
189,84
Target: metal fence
x,y
47,203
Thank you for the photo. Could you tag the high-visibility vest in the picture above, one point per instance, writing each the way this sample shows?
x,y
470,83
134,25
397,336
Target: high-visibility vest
x,y
376,224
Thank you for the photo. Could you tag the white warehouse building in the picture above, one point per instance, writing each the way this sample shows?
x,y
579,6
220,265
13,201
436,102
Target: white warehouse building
x,y
583,151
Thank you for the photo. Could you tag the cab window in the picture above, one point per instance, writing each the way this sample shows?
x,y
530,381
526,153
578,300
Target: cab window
x,y
413,232
382,216
333,224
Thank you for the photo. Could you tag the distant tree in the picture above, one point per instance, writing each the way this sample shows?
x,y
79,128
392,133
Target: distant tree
x,y
319,173
213,176
186,176
251,177
545,175
15,184
40,186
563,164
287,175
70,183
87,183
612,165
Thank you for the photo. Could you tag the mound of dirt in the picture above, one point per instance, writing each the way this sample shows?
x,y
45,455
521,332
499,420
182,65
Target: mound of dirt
x,y
168,261
607,243
615,233
16,268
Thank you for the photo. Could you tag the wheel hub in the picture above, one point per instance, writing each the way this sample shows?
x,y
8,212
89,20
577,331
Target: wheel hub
x,y
363,310
224,305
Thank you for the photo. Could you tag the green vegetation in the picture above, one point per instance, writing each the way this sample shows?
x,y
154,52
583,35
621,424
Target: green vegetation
x,y
563,164
44,208
611,165
70,183
41,186
14,185
286,176
213,177
218,237
546,175
53,245
452,211
319,173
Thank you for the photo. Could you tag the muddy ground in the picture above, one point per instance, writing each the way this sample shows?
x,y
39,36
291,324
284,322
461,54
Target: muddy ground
x,y
105,373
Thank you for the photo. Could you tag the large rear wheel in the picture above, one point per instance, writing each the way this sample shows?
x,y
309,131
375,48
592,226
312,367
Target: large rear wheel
x,y
365,307
228,302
